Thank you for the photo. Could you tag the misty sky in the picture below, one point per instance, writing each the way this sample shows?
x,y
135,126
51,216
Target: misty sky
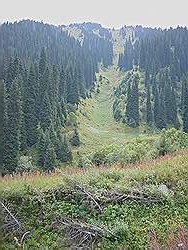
x,y
110,13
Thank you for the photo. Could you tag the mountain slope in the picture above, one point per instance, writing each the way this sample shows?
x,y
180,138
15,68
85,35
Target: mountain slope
x,y
96,124
153,212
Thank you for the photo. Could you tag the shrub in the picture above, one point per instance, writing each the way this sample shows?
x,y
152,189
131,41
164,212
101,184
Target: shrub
x,y
142,149
171,140
75,140
102,155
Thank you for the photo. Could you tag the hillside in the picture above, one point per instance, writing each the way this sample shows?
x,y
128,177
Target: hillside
x,y
93,137
96,124
132,207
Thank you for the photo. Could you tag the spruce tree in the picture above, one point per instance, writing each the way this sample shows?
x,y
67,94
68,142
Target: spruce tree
x,y
42,62
170,105
64,152
174,111
132,107
41,147
2,113
185,108
45,115
149,111
156,106
183,88
128,105
135,102
12,126
30,108
161,122
50,156
72,88
75,140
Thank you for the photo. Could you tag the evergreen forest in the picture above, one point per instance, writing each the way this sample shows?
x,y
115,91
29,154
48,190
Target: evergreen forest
x,y
93,136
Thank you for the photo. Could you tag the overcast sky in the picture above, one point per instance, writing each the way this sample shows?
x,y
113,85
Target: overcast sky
x,y
110,13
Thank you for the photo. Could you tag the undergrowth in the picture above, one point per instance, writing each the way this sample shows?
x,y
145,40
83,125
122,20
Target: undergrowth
x,y
134,224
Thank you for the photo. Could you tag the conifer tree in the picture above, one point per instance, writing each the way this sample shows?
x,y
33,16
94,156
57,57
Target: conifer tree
x,y
156,106
72,88
149,111
2,113
183,88
45,115
161,122
64,150
30,108
63,85
185,108
12,126
170,103
41,147
75,140
128,106
135,102
174,112
50,156
42,62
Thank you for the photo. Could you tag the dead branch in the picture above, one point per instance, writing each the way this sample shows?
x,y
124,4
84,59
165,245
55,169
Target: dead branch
x,y
116,198
10,220
12,225
90,197
104,198
80,234
86,195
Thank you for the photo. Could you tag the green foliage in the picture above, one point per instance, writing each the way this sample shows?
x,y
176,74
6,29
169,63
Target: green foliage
x,y
25,164
41,147
159,107
135,151
64,150
2,110
30,108
83,161
149,111
50,158
49,90
172,140
185,106
129,222
142,149
75,140
12,126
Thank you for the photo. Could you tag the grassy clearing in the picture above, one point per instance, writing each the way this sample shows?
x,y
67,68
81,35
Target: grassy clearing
x,y
97,126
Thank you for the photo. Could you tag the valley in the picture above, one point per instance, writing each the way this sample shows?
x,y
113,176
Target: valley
x,y
93,137
96,124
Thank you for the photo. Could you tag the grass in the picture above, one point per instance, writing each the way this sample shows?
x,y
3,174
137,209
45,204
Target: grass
x,y
132,172
45,196
97,126
131,222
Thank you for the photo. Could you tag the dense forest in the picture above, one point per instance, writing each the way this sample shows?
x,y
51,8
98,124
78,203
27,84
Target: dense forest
x,y
93,137
43,74
158,97
45,71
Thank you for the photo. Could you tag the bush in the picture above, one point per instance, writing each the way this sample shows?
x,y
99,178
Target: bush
x,y
75,140
142,149
25,165
171,140
84,161
102,155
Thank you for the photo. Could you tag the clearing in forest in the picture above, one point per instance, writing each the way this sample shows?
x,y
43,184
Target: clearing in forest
x,y
96,124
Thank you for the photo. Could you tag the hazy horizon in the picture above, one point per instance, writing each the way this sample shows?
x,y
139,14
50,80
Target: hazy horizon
x,y
150,13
